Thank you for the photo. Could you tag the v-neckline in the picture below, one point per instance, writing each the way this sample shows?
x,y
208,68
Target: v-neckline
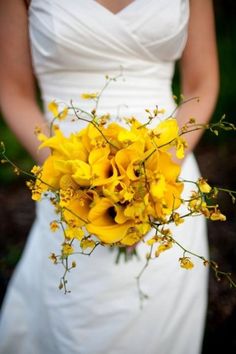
x,y
115,13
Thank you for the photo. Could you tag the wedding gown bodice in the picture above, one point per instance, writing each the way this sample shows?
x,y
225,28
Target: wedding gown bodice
x,y
73,51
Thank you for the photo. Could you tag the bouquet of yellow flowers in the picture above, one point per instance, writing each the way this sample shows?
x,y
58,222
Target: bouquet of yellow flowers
x,y
110,184
110,181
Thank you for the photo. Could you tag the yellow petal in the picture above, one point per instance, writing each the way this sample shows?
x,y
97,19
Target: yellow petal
x,y
158,187
181,145
74,232
217,216
62,115
89,96
78,208
103,224
166,132
131,239
203,185
186,263
127,136
82,173
111,233
86,243
53,108
67,249
163,247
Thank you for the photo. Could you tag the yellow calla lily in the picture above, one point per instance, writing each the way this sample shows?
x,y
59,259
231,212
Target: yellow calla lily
x,y
65,147
100,154
77,210
104,172
104,217
50,174
102,167
167,167
63,166
128,161
82,173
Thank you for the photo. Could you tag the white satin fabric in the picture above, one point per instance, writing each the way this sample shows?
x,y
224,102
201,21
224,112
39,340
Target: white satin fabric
x,y
74,45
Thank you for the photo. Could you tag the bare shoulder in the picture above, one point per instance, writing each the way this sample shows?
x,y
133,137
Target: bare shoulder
x,y
13,5
201,9
13,24
15,59
200,59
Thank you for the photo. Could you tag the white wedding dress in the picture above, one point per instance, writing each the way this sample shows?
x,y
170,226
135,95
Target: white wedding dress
x,y
74,45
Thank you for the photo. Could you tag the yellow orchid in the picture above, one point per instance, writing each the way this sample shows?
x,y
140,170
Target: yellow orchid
x,y
136,211
143,227
217,215
87,243
53,108
181,146
203,185
67,250
89,95
164,246
54,226
165,133
118,191
131,238
74,233
185,262
63,114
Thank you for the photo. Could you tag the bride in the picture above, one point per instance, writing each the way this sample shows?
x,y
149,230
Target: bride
x,y
69,46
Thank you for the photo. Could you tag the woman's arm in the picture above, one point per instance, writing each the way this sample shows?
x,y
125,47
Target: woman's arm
x,y
199,68
17,86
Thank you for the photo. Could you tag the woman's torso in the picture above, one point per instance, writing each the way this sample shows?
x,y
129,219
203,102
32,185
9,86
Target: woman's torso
x,y
74,45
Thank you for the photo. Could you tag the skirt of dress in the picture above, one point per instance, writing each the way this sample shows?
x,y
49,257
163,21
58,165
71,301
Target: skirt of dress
x,y
102,314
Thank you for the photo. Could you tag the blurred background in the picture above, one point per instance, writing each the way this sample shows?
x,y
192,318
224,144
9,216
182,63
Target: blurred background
x,y
217,160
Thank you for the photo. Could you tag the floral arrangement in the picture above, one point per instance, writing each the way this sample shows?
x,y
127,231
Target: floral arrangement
x,y
110,184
